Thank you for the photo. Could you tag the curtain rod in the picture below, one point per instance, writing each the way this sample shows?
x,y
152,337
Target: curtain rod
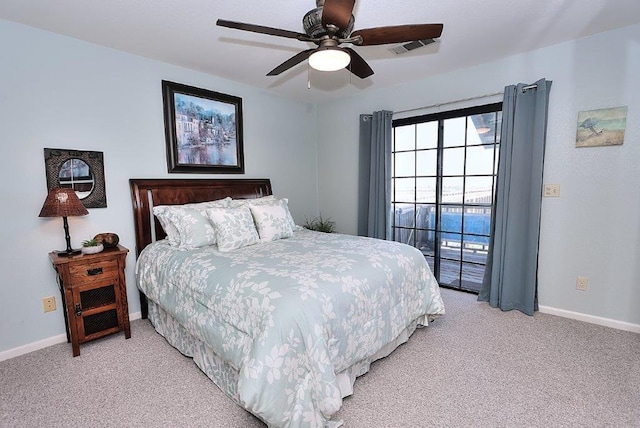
x,y
477,97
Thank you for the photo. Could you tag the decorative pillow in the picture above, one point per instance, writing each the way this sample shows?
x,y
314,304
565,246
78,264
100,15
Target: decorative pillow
x,y
194,228
234,227
272,221
187,226
284,202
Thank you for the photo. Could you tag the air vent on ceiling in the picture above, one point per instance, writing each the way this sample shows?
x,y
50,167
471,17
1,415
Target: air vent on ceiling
x,y
406,47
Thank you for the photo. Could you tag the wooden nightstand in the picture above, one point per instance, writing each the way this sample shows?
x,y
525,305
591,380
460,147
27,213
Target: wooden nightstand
x,y
94,294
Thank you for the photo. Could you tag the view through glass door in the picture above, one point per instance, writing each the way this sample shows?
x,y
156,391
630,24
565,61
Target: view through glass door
x,y
444,170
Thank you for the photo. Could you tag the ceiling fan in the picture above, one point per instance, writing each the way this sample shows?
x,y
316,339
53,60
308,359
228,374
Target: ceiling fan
x,y
329,25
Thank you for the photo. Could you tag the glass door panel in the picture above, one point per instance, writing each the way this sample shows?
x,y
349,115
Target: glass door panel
x,y
427,163
479,160
454,132
404,138
445,208
472,275
404,189
453,161
427,135
449,274
405,164
426,190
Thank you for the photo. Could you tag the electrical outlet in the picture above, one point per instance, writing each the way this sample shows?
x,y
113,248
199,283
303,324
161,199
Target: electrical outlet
x,y
551,190
49,304
582,283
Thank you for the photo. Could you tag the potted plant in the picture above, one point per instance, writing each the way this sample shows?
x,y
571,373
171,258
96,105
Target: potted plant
x,y
320,224
91,246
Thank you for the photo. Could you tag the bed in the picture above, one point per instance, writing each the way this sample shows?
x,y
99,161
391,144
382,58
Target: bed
x,y
283,327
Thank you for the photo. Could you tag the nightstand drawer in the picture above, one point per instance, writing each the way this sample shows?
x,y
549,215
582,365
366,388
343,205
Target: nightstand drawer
x,y
93,271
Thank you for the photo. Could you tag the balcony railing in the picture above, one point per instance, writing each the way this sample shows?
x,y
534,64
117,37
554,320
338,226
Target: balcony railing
x,y
462,257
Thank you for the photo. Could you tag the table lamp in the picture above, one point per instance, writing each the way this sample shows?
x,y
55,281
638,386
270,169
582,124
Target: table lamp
x,y
63,203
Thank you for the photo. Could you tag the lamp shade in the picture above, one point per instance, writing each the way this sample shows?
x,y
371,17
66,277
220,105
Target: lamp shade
x,y
329,59
62,203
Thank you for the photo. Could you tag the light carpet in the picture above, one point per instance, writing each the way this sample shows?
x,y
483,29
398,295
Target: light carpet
x,y
475,367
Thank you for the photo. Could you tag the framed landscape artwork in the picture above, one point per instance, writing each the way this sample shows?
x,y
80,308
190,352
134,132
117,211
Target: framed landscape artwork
x,y
604,127
203,130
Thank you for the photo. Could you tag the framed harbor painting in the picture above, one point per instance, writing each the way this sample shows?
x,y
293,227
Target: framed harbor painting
x,y
604,127
203,130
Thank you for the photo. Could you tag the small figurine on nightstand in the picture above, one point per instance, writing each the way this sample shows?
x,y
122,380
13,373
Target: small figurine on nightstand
x,y
109,240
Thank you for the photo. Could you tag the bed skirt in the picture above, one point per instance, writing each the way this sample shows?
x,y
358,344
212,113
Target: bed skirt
x,y
226,377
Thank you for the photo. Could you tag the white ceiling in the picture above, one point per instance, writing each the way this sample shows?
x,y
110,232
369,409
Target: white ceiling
x,y
183,32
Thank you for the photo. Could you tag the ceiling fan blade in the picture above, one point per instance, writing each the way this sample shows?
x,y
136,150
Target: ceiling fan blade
x,y
358,65
398,34
294,60
337,12
262,29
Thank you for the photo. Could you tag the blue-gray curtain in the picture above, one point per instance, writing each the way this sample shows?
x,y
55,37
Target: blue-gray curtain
x,y
374,180
511,275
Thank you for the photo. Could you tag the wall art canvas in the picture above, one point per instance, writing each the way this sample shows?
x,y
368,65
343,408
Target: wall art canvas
x,y
203,130
604,127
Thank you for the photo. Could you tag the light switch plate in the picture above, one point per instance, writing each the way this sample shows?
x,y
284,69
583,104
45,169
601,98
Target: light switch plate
x,y
551,191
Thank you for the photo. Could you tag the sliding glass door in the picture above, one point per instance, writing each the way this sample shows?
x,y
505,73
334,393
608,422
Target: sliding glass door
x,y
443,179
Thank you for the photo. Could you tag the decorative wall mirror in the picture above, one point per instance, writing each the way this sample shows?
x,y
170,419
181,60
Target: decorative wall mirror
x,y
80,170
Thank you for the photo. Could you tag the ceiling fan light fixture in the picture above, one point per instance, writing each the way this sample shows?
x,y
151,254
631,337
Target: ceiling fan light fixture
x,y
329,59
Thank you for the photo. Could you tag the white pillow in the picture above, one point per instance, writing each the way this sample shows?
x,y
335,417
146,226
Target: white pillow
x,y
272,221
194,228
284,202
234,227
187,226
162,212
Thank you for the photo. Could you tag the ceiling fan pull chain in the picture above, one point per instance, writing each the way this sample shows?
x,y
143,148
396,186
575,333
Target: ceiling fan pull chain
x,y
308,76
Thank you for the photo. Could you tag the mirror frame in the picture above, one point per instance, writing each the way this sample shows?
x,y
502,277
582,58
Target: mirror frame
x,y
55,158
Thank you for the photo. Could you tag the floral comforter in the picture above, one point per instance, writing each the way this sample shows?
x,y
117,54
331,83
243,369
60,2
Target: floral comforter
x,y
289,315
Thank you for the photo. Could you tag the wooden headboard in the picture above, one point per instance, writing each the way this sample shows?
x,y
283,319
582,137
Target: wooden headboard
x,y
147,193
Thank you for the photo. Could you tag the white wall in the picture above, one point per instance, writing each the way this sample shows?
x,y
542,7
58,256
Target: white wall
x,y
63,93
593,228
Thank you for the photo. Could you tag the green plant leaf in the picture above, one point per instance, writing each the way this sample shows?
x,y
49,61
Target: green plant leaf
x,y
320,224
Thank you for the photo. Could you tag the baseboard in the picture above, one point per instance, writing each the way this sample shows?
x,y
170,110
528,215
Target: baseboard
x,y
40,344
607,322
34,346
